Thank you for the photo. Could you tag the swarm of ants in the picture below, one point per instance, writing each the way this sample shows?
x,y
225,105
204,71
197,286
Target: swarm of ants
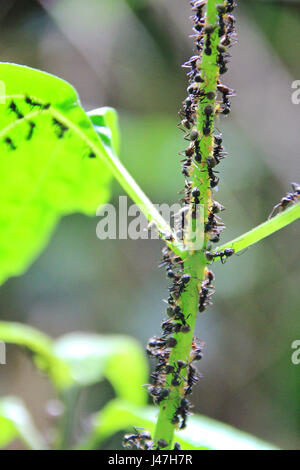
x,y
183,374
26,105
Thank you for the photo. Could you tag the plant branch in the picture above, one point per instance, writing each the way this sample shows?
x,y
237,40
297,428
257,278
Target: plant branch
x,y
194,262
262,231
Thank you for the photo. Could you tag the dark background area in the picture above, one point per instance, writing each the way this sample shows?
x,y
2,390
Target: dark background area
x,y
127,54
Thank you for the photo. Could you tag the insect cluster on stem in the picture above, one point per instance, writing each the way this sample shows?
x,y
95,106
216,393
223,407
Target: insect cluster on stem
x,y
198,113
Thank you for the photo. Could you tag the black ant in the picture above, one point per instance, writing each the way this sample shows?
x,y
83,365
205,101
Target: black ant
x,y
192,379
198,156
290,198
214,180
197,350
221,61
142,441
161,444
10,143
31,130
13,107
176,379
163,394
223,255
177,446
36,104
61,128
230,6
221,11
230,24
196,195
183,411
208,30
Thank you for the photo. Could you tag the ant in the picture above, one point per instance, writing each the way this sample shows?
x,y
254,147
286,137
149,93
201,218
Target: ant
x,y
223,255
61,128
163,394
230,6
183,411
221,12
208,30
10,143
31,130
161,444
33,103
14,109
214,180
198,156
290,198
208,111
196,195
142,441
192,379
197,350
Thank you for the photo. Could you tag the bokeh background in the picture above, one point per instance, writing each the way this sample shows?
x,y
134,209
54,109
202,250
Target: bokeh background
x,y
127,54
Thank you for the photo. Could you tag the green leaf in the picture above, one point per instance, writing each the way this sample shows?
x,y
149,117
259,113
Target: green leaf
x,y
93,357
46,142
15,422
42,348
201,432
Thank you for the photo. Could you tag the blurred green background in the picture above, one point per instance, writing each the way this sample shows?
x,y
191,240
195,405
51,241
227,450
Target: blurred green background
x,y
127,54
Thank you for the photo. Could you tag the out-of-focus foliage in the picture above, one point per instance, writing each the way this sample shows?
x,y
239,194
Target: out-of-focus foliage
x,y
86,359
118,358
41,346
15,422
201,432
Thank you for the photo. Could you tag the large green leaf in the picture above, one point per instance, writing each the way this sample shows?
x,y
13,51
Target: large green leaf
x,y
93,357
42,348
15,422
48,166
201,432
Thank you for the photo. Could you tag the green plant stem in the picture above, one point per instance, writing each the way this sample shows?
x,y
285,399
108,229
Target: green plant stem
x,y
264,230
194,261
189,304
69,398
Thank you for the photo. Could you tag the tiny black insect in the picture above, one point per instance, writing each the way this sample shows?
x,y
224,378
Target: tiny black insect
x,y
290,198
10,143
60,128
37,104
31,130
223,255
13,107
161,444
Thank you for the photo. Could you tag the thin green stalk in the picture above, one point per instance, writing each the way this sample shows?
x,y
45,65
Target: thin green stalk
x,y
194,261
264,230
189,303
